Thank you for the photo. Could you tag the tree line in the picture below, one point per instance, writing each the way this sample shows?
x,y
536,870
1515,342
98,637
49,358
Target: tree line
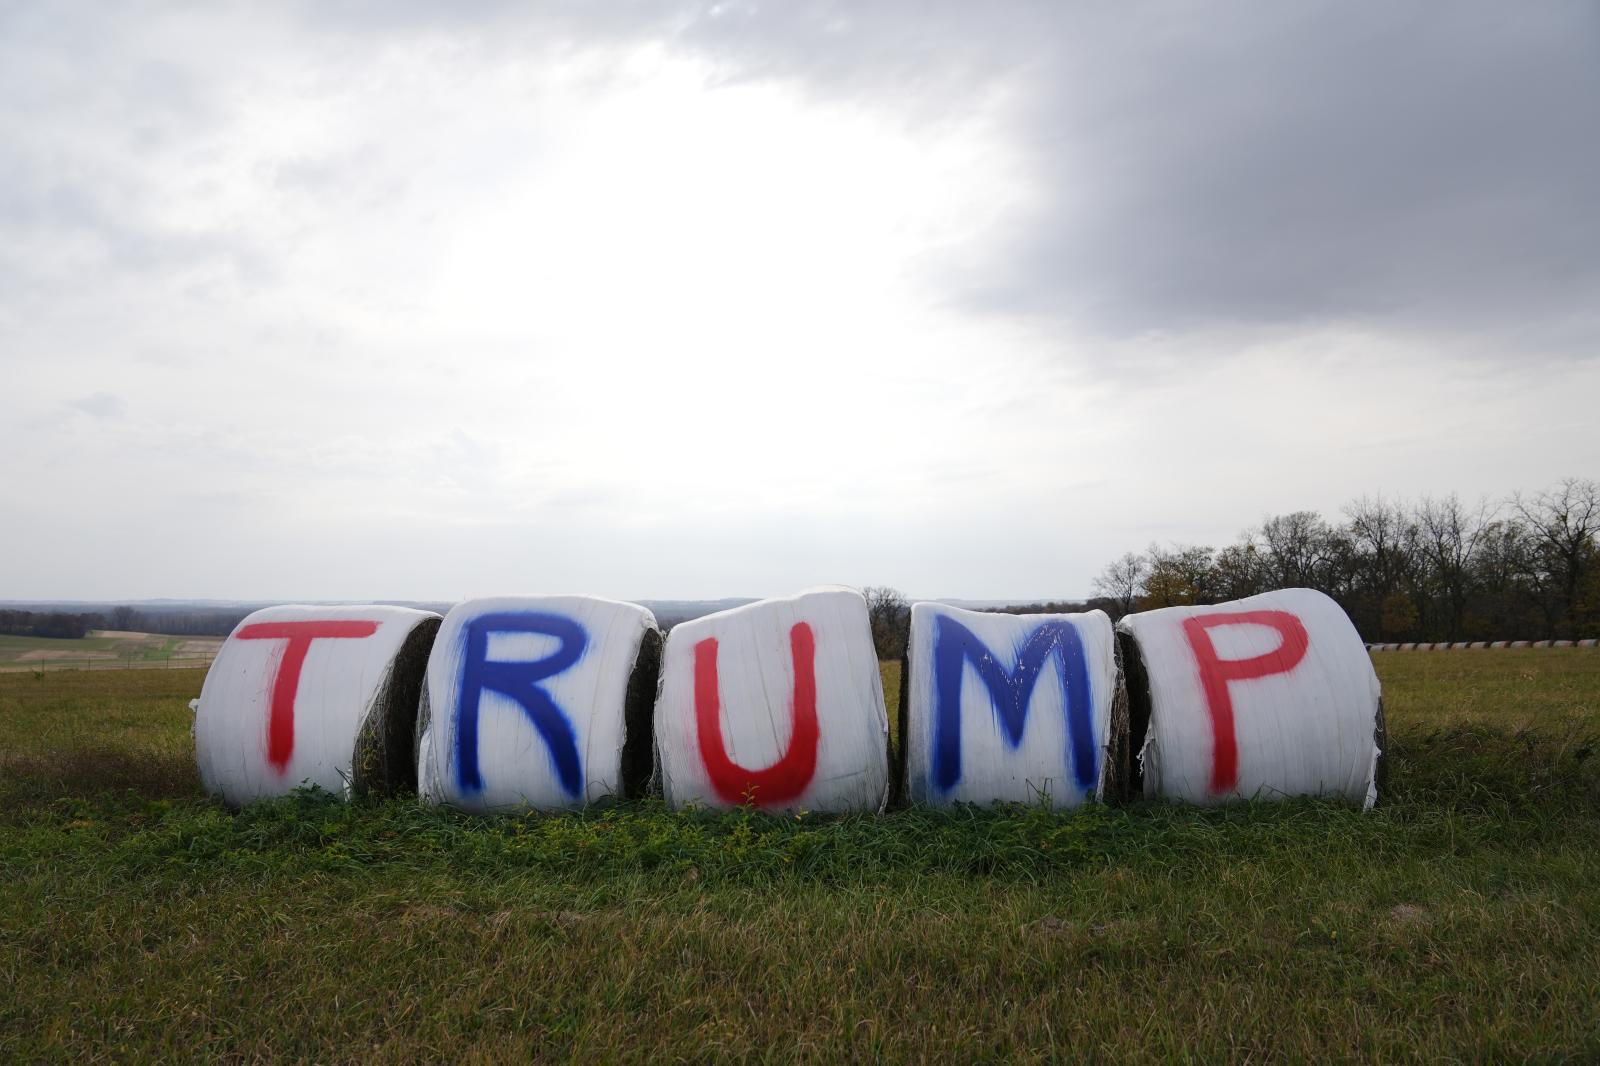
x,y
58,624
1435,569
216,622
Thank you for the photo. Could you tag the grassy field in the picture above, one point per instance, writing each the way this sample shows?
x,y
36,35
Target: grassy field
x,y
1459,921
102,649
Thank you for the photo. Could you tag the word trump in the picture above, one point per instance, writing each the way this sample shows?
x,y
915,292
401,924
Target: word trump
x,y
538,701
777,704
323,696
1274,695
1012,708
553,702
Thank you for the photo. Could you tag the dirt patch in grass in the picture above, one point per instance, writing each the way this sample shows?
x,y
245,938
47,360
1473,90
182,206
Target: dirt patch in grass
x,y
40,655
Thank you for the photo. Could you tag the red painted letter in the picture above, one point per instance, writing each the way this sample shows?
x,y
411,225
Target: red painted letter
x,y
280,721
789,776
1216,673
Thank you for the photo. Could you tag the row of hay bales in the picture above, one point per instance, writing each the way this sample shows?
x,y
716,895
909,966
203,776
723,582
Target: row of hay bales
x,y
1477,645
554,702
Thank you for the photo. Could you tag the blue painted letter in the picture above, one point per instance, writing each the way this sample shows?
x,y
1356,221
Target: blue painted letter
x,y
954,645
519,680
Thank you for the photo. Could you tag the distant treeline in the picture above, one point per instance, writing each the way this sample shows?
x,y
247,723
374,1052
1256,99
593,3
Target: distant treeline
x,y
186,622
1524,568
42,624
216,622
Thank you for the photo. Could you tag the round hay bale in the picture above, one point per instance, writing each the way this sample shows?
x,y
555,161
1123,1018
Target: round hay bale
x,y
1588,642
1409,647
1266,697
1520,644
537,701
777,704
1561,643
1501,644
313,696
1012,708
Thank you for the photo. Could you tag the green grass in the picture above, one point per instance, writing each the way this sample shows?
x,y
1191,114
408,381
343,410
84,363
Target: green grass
x,y
1460,920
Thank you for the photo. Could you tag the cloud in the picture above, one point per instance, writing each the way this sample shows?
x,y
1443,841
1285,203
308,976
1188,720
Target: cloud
x,y
1423,166
102,405
656,296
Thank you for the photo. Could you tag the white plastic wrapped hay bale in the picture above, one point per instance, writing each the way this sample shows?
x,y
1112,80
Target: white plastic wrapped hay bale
x,y
778,704
538,701
1014,708
323,696
1266,697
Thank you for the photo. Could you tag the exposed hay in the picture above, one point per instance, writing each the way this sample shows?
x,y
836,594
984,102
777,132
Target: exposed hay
x,y
638,715
1116,781
384,762
900,753
1380,768
1136,691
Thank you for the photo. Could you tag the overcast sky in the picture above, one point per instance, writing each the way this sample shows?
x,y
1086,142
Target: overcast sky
x,y
406,300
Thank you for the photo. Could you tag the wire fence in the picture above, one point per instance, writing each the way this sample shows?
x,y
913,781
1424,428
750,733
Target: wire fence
x,y
1481,644
187,662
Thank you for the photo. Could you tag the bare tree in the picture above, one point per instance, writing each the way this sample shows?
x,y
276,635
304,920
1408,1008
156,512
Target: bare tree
x,y
125,618
1565,522
890,616
1384,542
1239,570
1122,581
1450,535
1298,548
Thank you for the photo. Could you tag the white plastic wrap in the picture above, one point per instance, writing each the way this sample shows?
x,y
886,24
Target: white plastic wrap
x,y
321,696
1266,697
777,703
1004,707
527,702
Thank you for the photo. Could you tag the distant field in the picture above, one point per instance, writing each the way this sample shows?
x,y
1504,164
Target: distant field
x,y
1459,921
102,649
